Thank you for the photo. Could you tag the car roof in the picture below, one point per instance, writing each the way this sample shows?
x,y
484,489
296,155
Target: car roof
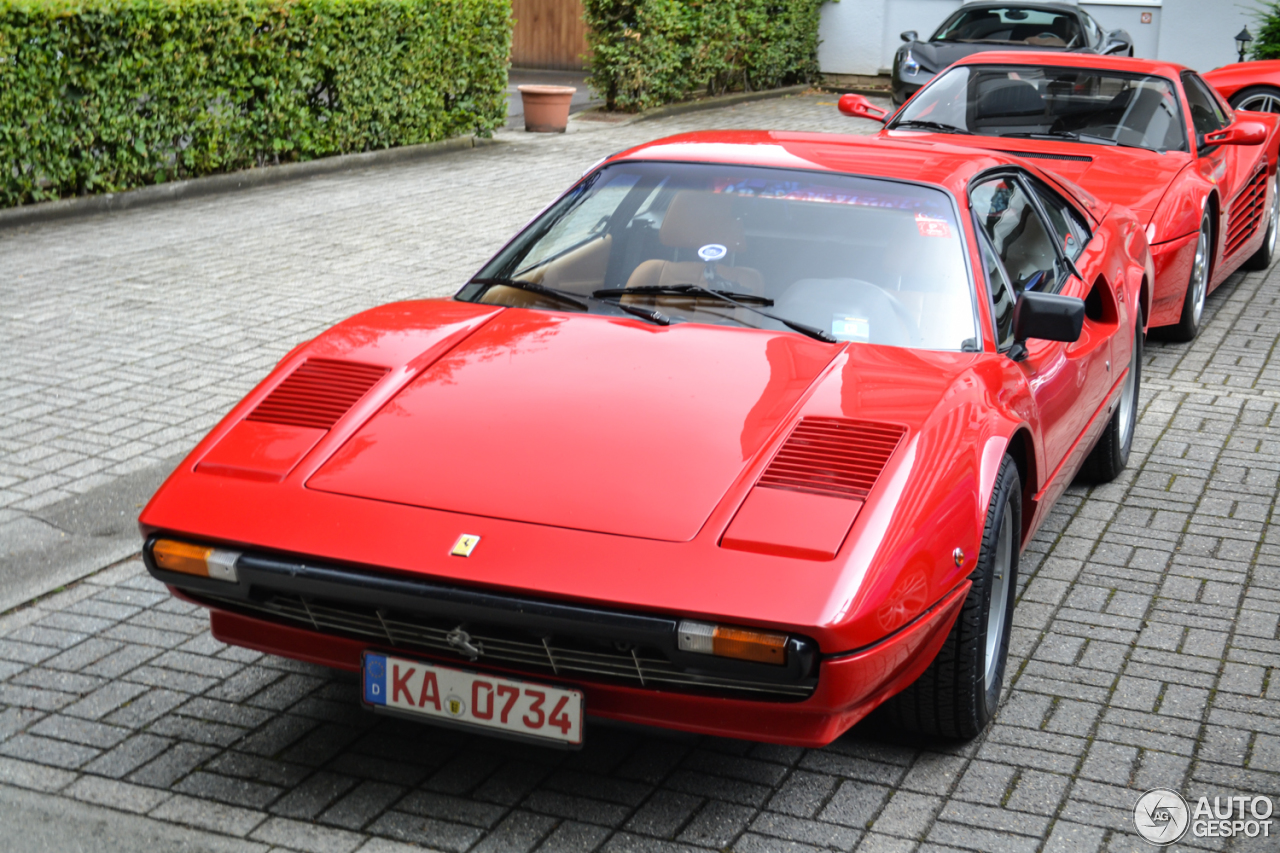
x,y
918,161
1055,5
1074,60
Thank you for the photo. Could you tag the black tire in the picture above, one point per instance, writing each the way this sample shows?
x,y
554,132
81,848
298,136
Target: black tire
x,y
1261,259
1188,325
1264,99
1111,454
959,693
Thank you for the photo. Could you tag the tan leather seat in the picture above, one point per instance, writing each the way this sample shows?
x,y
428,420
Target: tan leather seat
x,y
695,219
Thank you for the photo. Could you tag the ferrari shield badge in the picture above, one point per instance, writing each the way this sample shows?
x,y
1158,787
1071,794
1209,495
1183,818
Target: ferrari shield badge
x,y
465,545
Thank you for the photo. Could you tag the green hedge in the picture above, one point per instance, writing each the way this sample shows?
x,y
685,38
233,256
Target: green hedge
x,y
105,95
650,52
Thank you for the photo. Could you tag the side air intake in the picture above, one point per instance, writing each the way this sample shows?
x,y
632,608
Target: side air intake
x,y
317,393
833,456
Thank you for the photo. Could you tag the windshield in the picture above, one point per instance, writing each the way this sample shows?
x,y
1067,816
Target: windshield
x,y
1077,104
858,259
1012,25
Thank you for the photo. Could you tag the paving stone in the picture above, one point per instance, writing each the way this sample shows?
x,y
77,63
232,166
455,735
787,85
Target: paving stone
x,y
116,794
207,815
518,832
306,836
437,834
357,808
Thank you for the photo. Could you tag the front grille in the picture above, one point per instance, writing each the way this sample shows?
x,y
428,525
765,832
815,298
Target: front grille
x,y
1246,212
595,659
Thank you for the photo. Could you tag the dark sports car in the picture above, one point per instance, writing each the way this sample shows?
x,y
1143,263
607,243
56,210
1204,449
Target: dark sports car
x,y
976,27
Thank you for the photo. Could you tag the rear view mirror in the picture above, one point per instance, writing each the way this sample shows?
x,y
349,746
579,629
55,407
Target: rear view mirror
x,y
910,36
859,107
1047,317
1241,132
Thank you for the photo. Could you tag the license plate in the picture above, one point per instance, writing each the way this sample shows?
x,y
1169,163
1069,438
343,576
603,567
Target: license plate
x,y
506,706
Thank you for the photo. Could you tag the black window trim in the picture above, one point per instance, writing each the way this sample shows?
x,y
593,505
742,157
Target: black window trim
x,y
1202,150
1049,190
1020,175
985,246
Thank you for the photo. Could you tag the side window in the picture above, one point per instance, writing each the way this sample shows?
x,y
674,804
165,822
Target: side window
x,y
1092,30
1072,232
1002,297
1206,113
1018,234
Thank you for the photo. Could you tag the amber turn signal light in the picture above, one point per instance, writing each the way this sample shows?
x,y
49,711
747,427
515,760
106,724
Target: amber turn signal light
x,y
740,643
199,560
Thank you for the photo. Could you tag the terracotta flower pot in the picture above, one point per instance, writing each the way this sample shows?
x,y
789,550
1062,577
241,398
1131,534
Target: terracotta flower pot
x,y
546,108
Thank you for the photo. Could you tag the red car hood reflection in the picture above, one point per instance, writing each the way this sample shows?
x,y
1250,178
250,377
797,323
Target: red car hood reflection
x,y
581,422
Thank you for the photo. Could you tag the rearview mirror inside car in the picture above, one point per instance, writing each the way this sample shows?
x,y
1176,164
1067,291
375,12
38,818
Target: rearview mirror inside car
x,y
1047,317
1242,132
860,107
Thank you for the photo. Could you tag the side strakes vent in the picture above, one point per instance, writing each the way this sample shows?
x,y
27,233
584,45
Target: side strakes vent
x,y
833,456
1246,213
317,393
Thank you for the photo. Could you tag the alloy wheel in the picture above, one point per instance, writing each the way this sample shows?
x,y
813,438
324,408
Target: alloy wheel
x,y
1200,272
1263,102
1128,403
999,601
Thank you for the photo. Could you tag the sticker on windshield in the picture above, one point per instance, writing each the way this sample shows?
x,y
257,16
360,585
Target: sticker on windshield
x,y
712,252
930,227
844,328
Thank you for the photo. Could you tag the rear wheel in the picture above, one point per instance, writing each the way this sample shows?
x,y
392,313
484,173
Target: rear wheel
x,y
1188,325
1261,259
958,694
1111,454
1259,99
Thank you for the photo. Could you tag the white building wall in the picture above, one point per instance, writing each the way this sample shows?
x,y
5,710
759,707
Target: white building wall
x,y
861,36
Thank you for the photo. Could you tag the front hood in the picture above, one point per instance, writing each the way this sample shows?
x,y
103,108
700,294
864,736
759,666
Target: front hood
x,y
582,422
1130,177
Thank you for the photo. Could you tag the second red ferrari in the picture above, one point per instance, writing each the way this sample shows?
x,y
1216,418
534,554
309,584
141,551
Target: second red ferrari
x,y
1151,136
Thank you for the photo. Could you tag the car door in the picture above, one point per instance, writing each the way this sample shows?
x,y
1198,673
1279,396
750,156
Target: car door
x,y
1024,250
1223,165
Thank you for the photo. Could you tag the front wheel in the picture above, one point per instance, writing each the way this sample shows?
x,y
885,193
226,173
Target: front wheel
x,y
1261,259
958,694
1111,454
1188,325
1258,99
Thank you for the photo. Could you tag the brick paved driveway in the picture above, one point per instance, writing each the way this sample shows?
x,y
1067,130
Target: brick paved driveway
x,y
1145,652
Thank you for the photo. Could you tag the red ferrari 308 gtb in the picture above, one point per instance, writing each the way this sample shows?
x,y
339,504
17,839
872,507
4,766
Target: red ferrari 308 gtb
x,y
743,435
1151,136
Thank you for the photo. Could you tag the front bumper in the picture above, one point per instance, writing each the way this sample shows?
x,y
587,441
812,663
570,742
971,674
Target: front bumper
x,y
625,663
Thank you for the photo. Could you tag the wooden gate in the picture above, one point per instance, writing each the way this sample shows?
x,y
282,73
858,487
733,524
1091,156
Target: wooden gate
x,y
548,34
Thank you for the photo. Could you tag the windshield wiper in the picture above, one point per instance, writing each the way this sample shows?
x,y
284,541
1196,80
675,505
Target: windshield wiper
x,y
533,287
683,288
931,125
656,317
802,328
